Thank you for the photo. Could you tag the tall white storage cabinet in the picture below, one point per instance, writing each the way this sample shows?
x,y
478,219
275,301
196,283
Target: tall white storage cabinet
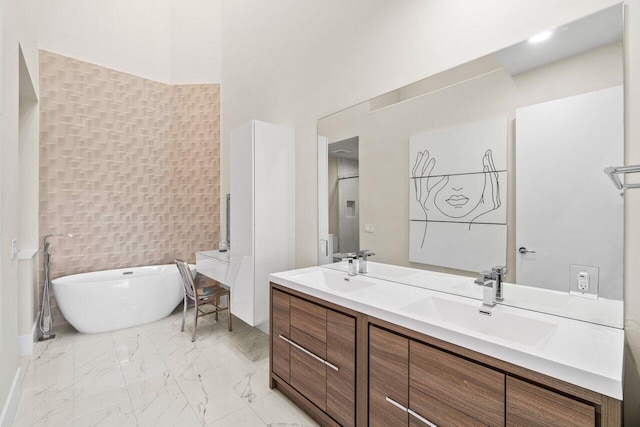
x,y
262,215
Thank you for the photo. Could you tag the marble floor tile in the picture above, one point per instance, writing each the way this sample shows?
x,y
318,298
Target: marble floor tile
x,y
139,370
150,384
86,402
276,409
98,380
245,417
133,347
247,380
165,407
44,406
153,375
210,396
121,415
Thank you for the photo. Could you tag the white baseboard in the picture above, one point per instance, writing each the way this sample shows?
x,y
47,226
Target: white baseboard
x,y
11,404
25,342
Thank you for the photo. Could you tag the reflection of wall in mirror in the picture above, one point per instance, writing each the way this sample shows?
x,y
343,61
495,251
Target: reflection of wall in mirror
x,y
576,209
384,135
457,187
348,206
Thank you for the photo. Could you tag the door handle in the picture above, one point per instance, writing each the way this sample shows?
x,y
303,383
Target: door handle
x,y
524,250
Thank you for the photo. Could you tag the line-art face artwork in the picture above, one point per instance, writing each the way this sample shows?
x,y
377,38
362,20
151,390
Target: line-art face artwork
x,y
455,197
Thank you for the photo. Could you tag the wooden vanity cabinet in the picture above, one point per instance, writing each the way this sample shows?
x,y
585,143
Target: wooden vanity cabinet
x,y
466,387
531,406
411,383
406,378
388,378
313,351
280,327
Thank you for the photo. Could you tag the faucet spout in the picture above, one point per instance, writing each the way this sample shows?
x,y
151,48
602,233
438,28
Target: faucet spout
x,y
351,257
489,287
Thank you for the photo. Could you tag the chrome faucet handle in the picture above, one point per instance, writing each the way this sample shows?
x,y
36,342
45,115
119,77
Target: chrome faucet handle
x,y
485,278
499,269
365,253
350,255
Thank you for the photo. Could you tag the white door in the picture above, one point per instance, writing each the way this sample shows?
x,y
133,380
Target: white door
x,y
580,136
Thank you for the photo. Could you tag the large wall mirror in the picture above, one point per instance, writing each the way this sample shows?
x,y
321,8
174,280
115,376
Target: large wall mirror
x,y
498,161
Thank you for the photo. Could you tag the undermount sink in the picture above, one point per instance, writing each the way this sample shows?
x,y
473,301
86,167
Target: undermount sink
x,y
333,280
506,326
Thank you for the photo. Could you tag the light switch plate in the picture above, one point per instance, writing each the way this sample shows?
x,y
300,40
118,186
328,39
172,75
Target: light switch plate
x,y
368,228
592,291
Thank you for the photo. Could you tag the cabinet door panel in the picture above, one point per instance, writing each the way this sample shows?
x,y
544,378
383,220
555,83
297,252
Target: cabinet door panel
x,y
341,352
315,346
466,386
309,318
280,323
436,412
309,377
388,378
530,406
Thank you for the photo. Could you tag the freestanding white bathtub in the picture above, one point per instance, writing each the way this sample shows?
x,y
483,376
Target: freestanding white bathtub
x,y
116,299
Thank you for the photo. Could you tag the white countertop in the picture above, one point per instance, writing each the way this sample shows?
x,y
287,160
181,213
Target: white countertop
x,y
215,254
581,353
602,311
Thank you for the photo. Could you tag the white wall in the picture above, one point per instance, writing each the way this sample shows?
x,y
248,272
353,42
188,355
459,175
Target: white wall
x,y
195,41
292,62
171,41
19,29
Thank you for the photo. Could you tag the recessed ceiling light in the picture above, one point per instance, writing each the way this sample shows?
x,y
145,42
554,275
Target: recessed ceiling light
x,y
540,37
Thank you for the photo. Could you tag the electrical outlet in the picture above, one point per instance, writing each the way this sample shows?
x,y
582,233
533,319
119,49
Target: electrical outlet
x,y
584,280
368,228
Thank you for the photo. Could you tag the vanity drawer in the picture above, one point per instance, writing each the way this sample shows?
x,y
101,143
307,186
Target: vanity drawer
x,y
471,388
280,307
309,318
309,376
388,378
531,406
436,412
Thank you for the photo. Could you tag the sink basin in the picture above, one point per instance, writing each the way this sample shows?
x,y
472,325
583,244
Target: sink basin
x,y
506,326
333,280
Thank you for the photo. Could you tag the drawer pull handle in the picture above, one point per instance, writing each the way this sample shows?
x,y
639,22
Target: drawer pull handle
x,y
284,338
424,420
307,352
396,404
331,365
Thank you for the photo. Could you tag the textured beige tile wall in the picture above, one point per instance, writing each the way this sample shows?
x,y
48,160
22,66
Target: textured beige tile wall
x,y
128,165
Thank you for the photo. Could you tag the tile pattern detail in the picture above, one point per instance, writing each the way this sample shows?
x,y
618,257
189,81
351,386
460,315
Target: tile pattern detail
x,y
128,165
153,375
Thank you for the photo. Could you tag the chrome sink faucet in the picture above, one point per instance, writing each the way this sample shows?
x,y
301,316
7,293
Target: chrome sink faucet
x,y
498,272
489,289
492,282
362,265
352,258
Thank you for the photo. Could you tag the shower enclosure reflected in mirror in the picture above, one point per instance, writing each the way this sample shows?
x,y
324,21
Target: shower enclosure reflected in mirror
x,y
562,98
343,203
